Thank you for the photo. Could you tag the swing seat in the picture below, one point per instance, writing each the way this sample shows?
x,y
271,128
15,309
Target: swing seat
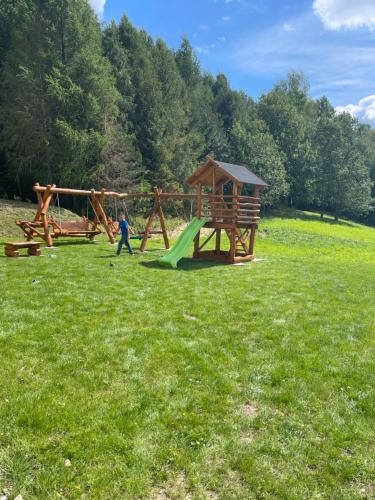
x,y
136,237
75,229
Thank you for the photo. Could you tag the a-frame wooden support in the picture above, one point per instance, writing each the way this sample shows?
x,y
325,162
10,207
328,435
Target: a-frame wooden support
x,y
47,228
100,215
156,211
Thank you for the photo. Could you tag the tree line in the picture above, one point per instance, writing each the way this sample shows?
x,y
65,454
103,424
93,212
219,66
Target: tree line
x,y
86,105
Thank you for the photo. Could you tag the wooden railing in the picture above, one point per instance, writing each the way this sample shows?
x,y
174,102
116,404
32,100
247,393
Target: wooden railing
x,y
228,209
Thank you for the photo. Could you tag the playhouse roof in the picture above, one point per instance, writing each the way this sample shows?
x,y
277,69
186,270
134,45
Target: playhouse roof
x,y
224,172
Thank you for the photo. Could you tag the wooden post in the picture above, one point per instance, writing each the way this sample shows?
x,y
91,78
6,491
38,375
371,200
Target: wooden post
x,y
101,200
199,215
149,223
234,198
232,252
254,227
161,217
252,238
43,214
199,201
94,204
196,244
218,241
102,215
40,203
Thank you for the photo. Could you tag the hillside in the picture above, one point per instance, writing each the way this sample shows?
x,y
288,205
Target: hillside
x,y
121,379
11,211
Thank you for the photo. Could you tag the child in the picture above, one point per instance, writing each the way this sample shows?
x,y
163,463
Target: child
x,y
125,228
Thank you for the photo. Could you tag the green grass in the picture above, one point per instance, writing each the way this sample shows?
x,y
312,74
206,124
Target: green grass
x,y
211,381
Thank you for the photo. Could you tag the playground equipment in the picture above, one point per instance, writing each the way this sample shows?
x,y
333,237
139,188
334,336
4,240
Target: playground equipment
x,y
48,228
221,209
11,249
219,206
183,242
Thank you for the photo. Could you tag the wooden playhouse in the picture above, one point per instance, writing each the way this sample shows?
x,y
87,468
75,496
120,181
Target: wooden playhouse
x,y
219,198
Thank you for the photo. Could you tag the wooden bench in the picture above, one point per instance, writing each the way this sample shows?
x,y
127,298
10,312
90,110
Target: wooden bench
x,y
75,228
11,248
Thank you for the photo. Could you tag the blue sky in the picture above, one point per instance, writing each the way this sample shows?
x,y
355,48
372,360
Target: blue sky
x,y
256,42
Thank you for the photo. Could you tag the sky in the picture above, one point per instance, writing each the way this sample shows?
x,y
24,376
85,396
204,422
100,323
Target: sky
x,y
256,42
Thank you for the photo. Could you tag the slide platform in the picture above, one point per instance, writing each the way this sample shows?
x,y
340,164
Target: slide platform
x,y
183,243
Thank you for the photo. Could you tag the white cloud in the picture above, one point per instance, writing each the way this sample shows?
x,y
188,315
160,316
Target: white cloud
x,y
98,6
226,18
205,51
335,66
288,27
337,14
364,110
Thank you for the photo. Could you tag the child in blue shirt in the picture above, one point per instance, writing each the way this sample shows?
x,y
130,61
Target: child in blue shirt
x,y
125,229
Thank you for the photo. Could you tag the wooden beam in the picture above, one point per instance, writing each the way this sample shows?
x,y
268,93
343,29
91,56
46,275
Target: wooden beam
x,y
40,204
46,201
157,192
102,215
218,241
232,239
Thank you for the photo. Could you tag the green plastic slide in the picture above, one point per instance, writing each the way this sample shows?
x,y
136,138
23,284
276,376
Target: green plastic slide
x,y
183,243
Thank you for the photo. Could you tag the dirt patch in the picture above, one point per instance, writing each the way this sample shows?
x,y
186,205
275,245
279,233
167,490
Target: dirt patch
x,y
190,318
246,439
174,489
366,490
250,410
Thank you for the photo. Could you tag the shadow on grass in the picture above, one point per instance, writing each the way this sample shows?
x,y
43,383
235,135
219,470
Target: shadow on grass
x,y
72,243
183,265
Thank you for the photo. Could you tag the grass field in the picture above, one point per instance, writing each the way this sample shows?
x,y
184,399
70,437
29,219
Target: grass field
x,y
212,381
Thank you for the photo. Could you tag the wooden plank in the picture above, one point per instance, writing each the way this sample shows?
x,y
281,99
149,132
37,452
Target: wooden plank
x,y
82,192
220,225
245,211
22,244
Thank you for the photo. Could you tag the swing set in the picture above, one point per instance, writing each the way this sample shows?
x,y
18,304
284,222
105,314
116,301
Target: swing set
x,y
48,227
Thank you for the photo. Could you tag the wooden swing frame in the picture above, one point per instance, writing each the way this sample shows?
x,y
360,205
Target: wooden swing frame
x,y
48,229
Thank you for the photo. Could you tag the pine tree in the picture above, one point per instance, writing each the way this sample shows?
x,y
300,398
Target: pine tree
x,y
343,182
59,94
254,146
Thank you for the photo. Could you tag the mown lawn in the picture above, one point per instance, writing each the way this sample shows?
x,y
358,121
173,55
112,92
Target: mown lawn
x,y
211,381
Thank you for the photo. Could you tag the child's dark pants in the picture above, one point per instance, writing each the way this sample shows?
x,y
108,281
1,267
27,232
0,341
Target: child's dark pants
x,y
124,239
